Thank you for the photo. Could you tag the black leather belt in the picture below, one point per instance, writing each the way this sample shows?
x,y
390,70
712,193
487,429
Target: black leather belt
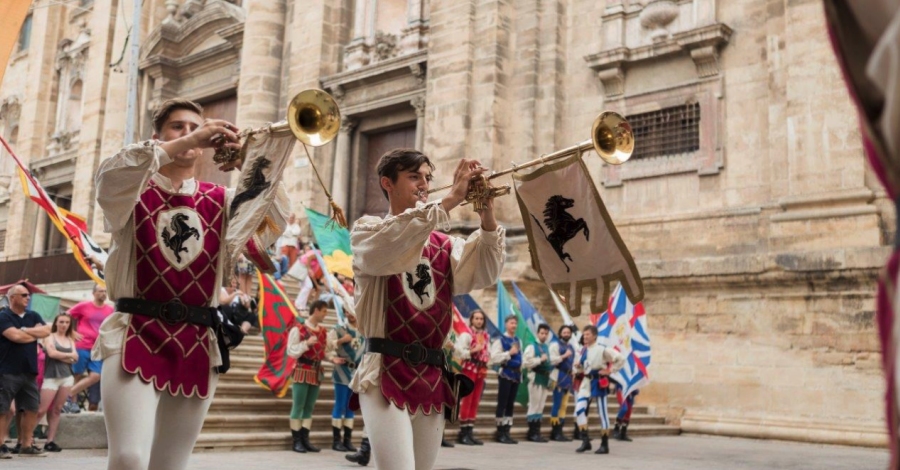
x,y
411,353
171,312
307,361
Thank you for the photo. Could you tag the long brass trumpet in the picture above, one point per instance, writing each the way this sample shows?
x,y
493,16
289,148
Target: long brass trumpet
x,y
611,137
312,116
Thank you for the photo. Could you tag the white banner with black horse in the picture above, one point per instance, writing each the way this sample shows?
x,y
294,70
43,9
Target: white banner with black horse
x,y
574,244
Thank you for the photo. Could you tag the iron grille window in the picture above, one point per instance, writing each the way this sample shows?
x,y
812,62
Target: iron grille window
x,y
2,240
669,131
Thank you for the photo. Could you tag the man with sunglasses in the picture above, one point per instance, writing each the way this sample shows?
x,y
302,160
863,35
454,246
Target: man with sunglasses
x,y
21,329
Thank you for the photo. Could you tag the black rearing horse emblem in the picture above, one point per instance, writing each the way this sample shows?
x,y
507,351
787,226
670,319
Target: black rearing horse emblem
x,y
420,287
183,232
563,227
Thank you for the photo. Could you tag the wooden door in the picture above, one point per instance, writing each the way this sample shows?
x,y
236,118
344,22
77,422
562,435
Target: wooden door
x,y
206,169
378,144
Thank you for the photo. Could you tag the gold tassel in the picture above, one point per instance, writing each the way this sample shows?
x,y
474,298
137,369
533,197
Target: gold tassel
x,y
337,214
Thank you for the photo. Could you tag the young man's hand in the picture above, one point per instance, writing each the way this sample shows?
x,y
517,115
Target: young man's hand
x,y
465,172
209,134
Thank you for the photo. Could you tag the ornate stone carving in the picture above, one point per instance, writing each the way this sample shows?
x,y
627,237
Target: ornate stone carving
x,y
11,108
418,71
418,102
348,124
337,92
385,46
172,10
656,16
706,59
613,80
356,55
645,30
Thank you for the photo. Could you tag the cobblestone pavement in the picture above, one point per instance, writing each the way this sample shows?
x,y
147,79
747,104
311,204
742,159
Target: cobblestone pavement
x,y
687,452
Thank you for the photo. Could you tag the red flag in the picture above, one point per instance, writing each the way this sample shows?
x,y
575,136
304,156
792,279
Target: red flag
x,y
71,225
276,318
459,324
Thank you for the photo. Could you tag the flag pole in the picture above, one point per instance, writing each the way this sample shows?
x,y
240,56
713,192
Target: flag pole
x,y
130,109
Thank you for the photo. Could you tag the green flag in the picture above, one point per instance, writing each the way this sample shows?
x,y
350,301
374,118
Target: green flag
x,y
45,305
333,241
507,307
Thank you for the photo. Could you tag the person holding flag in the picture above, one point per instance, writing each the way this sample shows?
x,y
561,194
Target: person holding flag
x,y
346,347
473,348
539,361
597,362
564,350
406,274
506,353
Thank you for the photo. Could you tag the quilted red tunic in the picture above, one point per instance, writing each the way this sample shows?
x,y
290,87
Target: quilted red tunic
x,y
177,243
419,309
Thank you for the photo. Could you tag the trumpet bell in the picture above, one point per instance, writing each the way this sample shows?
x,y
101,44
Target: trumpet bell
x,y
613,138
314,117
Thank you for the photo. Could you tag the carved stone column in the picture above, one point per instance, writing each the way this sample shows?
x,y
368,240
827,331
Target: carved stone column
x,y
340,181
418,103
414,37
356,54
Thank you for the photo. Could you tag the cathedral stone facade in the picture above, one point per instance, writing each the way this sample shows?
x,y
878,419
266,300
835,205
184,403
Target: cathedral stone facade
x,y
748,206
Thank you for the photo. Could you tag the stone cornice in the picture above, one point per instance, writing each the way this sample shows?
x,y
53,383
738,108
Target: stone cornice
x,y
375,105
410,64
174,39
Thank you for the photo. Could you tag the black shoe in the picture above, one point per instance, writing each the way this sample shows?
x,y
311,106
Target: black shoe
x,y
464,436
623,434
51,446
537,433
604,445
362,456
498,434
298,443
304,438
348,439
557,435
617,429
475,440
336,443
502,437
506,430
446,443
576,434
585,442
5,452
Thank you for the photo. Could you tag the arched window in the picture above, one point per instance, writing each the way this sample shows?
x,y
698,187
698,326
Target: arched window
x,y
73,110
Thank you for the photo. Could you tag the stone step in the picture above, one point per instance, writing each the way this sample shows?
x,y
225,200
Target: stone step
x,y
282,406
252,391
282,440
230,423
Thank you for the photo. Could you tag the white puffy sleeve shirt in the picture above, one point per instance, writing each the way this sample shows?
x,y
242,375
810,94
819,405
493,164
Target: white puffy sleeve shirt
x,y
120,181
383,247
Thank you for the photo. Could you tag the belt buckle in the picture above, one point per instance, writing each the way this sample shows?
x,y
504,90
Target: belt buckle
x,y
174,312
414,354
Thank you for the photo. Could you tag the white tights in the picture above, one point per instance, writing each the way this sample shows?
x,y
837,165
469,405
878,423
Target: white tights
x,y
148,429
400,441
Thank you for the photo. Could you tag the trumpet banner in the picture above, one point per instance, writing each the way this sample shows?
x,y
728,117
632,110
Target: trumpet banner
x,y
266,155
573,242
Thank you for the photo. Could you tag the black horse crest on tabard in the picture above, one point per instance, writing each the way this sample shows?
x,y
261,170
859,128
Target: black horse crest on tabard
x,y
254,184
420,287
183,232
563,227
